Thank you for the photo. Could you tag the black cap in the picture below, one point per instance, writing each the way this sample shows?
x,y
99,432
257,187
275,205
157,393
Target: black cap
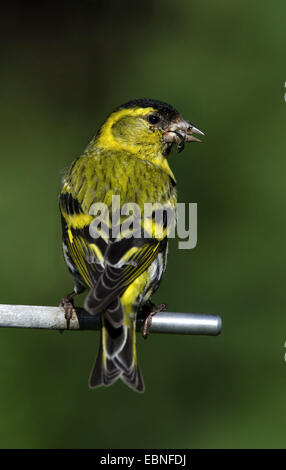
x,y
166,109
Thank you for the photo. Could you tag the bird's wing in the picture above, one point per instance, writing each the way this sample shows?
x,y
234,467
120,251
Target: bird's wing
x,y
107,265
86,253
125,260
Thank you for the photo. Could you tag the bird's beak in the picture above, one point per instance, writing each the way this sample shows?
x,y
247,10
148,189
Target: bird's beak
x,y
179,132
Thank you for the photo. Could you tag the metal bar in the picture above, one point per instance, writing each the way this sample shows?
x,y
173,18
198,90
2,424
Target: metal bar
x,y
52,318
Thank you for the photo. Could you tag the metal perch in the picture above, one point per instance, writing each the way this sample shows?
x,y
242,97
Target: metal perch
x,y
52,318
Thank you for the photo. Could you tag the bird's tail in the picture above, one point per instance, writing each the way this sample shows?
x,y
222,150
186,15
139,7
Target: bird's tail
x,y
117,351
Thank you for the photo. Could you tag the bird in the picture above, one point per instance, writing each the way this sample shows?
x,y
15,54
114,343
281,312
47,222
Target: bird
x,y
122,269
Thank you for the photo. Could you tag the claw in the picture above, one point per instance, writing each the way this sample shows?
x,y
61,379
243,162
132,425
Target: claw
x,y
150,310
68,306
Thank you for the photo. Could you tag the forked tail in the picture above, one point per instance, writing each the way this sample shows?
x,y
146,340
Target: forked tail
x,y
117,351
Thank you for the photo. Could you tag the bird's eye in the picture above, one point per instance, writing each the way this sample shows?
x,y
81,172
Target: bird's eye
x,y
153,118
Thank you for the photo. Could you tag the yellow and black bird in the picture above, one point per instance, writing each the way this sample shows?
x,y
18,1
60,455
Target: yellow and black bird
x,y
127,158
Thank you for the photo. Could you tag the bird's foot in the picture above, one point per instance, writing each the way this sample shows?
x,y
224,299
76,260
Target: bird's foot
x,y
149,310
68,306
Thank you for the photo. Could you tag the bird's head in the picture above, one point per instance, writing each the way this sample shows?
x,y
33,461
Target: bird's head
x,y
146,126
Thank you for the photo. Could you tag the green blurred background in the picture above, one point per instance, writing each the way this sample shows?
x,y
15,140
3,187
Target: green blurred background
x,y
64,66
